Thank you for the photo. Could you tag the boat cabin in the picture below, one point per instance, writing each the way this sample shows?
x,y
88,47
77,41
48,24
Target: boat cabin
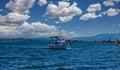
x,y
58,42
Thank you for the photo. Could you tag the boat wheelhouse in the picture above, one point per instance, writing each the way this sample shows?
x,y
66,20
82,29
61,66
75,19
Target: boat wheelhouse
x,y
58,42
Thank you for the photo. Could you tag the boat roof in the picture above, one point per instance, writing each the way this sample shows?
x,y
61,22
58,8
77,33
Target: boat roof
x,y
56,37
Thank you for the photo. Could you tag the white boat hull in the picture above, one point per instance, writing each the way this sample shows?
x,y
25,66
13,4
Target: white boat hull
x,y
117,42
61,47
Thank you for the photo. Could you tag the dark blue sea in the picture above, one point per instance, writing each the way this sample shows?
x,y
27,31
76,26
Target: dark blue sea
x,y
35,55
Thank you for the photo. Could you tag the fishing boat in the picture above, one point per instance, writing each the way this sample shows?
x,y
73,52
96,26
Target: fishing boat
x,y
58,42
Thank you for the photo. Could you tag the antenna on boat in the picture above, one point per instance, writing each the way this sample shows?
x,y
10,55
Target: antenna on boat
x,y
61,34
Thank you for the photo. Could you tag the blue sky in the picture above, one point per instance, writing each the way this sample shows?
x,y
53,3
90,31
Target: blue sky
x,y
39,18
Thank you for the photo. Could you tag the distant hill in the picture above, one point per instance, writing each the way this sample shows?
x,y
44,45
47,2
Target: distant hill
x,y
23,39
100,37
40,38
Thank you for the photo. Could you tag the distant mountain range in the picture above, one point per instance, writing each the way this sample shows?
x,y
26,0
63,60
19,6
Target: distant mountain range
x,y
97,37
24,39
100,37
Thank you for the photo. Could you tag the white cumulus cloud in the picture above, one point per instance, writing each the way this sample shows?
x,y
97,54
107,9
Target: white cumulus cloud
x,y
108,3
64,11
42,2
69,34
13,18
94,7
88,16
117,1
8,31
37,29
14,23
16,17
112,12
65,19
20,6
65,0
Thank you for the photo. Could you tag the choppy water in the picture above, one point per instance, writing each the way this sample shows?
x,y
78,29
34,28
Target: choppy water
x,y
35,56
